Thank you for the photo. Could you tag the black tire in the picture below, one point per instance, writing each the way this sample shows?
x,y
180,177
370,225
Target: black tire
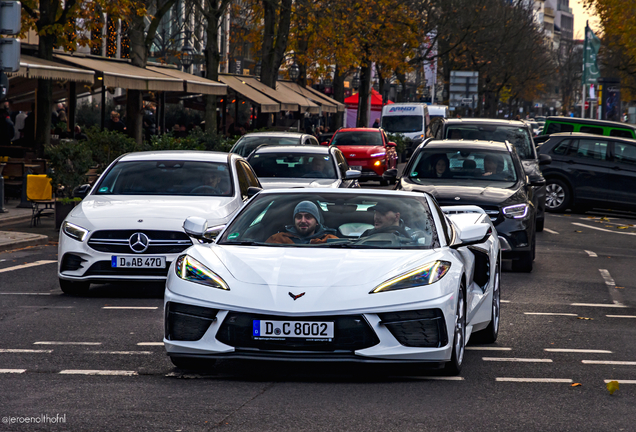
x,y
524,263
558,196
454,366
197,364
384,182
490,333
540,224
74,288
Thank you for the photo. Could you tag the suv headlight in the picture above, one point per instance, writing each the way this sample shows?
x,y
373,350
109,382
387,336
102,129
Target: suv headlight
x,y
517,211
75,232
425,275
187,268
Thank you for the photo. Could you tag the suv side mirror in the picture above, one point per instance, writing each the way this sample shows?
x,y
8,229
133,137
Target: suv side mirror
x,y
252,190
324,143
390,174
391,144
352,174
545,159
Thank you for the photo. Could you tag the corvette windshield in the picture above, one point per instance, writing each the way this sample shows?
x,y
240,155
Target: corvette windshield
x,y
459,166
167,177
343,220
293,165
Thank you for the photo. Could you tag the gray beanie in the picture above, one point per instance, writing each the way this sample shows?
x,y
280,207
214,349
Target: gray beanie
x,y
308,207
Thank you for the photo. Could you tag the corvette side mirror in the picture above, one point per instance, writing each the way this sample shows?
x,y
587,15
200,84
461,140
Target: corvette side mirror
x,y
473,234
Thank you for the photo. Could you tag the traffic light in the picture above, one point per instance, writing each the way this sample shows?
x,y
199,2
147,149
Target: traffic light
x,y
10,23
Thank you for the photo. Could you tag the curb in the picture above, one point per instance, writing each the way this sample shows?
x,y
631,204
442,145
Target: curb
x,y
22,240
10,220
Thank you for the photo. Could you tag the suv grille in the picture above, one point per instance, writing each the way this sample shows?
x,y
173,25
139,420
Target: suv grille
x,y
351,332
104,268
160,242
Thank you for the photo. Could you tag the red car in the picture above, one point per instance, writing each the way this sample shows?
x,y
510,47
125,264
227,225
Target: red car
x,y
367,150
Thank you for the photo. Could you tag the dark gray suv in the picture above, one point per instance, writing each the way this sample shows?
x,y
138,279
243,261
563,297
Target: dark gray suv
x,y
518,133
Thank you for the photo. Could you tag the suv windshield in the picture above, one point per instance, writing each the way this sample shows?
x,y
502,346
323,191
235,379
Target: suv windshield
x,y
517,136
357,139
342,220
293,165
172,177
246,145
458,166
402,124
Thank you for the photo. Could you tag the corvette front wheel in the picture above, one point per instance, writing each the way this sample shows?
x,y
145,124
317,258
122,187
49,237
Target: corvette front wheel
x,y
454,366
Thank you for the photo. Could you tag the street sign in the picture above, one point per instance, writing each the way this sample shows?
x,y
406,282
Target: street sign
x,y
10,22
463,89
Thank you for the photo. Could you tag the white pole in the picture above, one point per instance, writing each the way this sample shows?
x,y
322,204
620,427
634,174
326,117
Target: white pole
x,y
583,102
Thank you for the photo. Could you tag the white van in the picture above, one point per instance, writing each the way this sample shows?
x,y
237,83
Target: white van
x,y
438,111
408,119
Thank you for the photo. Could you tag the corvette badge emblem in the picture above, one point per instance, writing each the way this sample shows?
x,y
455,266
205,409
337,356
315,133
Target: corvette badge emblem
x,y
296,297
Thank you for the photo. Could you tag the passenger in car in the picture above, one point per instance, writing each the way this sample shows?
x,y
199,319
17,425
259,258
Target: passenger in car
x,y
386,219
440,166
493,166
307,227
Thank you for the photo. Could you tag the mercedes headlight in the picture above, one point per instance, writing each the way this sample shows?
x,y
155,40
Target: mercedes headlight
x,y
74,231
425,275
187,268
517,211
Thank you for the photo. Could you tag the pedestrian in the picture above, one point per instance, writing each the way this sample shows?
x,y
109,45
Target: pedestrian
x,y
376,123
7,130
79,135
115,123
19,125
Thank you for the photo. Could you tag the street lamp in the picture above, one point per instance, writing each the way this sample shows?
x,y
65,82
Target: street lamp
x,y
258,68
356,81
187,52
294,71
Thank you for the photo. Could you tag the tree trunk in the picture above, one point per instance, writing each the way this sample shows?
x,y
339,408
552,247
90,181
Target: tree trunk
x,y
212,60
274,39
134,98
363,100
338,94
44,99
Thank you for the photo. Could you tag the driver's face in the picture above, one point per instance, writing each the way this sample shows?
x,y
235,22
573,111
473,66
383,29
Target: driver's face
x,y
305,224
317,164
386,220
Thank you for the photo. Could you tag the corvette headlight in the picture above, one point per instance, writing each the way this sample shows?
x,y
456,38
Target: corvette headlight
x,y
516,211
74,231
425,275
187,268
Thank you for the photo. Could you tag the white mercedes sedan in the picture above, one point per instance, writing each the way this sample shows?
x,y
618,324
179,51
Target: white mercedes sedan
x,y
129,226
335,275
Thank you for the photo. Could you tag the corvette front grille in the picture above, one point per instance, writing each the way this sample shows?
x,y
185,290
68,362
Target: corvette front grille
x,y
351,332
423,328
186,322
117,241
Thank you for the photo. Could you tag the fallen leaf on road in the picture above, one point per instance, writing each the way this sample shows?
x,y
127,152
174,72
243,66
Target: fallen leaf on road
x,y
604,218
591,217
619,287
577,231
622,227
585,318
576,385
609,226
612,386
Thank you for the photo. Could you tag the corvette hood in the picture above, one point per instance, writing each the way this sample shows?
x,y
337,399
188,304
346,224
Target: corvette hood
x,y
286,183
95,207
314,267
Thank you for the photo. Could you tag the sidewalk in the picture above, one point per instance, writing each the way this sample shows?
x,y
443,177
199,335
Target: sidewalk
x,y
15,232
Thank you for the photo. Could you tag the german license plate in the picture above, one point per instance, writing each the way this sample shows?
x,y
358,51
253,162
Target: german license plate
x,y
121,261
356,167
293,329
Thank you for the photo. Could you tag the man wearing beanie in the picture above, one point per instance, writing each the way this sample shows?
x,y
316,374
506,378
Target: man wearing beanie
x,y
307,227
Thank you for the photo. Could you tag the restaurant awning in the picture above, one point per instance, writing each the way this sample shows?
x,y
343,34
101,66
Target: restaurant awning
x,y
192,83
327,106
37,68
121,74
286,104
266,104
340,106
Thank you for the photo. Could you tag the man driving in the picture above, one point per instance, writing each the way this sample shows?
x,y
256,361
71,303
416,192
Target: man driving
x,y
307,227
386,219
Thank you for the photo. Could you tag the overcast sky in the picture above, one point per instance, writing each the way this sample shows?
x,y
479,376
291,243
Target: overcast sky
x,y
580,16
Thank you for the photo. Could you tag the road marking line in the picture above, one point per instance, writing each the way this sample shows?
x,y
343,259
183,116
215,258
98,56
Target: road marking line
x,y
130,307
25,351
25,293
621,381
535,380
67,343
603,229
566,350
621,316
16,371
609,362
23,266
599,305
150,344
550,231
591,254
120,352
504,301
550,313
476,348
97,372
607,277
520,360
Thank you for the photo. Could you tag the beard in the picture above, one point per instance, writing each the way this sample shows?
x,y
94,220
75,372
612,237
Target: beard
x,y
304,229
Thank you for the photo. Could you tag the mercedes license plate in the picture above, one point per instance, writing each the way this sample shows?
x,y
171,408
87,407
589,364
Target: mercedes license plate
x,y
356,167
120,261
293,329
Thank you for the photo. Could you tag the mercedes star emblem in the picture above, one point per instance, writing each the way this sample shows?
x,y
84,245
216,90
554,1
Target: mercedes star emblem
x,y
296,297
139,242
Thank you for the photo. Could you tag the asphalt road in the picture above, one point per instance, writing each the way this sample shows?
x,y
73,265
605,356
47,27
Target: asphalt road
x,y
98,363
